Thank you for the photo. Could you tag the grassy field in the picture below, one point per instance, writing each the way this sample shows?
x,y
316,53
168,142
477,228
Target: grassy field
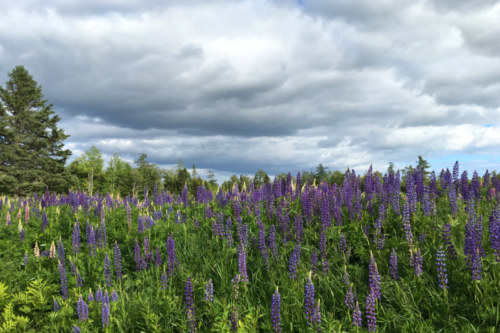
x,y
286,235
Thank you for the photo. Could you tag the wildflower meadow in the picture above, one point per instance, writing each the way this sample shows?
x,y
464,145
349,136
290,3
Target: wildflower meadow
x,y
370,255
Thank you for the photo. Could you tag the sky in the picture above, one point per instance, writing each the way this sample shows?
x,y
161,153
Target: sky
x,y
278,85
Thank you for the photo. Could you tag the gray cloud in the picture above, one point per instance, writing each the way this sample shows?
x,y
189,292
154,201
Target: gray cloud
x,y
240,86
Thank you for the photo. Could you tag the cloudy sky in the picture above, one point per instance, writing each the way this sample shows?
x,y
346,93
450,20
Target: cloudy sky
x,y
278,85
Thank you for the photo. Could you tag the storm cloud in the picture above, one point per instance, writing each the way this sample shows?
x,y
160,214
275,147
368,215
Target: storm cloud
x,y
237,86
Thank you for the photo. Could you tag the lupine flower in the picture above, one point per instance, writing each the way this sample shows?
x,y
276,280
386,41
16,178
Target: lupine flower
x,y
292,265
272,242
52,251
349,298
60,251
172,258
27,214
107,270
374,276
79,281
190,304
98,295
276,311
158,257
476,266
209,291
75,239
140,225
393,263
418,263
316,318
114,296
371,315
105,314
406,223
118,261
90,298
234,319
262,246
309,299
242,263
137,256
147,253
56,306
76,329
64,281
25,260
129,217
356,316
345,277
343,244
441,268
82,309
229,232
164,279
314,260
22,235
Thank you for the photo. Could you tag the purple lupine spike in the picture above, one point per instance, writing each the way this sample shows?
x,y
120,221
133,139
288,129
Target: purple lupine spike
x,y
60,251
56,305
314,261
309,299
417,264
90,297
25,260
272,242
64,280
158,257
229,232
343,243
118,261
316,318
129,217
190,304
107,270
172,258
349,298
22,235
374,277
406,223
494,228
262,245
371,314
292,264
276,311
114,296
98,295
105,314
76,329
393,263
441,268
75,239
345,276
356,316
137,256
79,281
82,309
476,265
209,291
164,279
242,263
298,225
147,253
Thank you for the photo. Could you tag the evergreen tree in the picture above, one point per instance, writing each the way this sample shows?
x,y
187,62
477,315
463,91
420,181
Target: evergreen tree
x,y
321,172
31,145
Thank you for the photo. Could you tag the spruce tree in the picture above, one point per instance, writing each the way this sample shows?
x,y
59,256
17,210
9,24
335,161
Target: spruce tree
x,y
31,145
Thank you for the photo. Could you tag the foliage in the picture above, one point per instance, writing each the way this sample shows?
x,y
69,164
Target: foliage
x,y
31,145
